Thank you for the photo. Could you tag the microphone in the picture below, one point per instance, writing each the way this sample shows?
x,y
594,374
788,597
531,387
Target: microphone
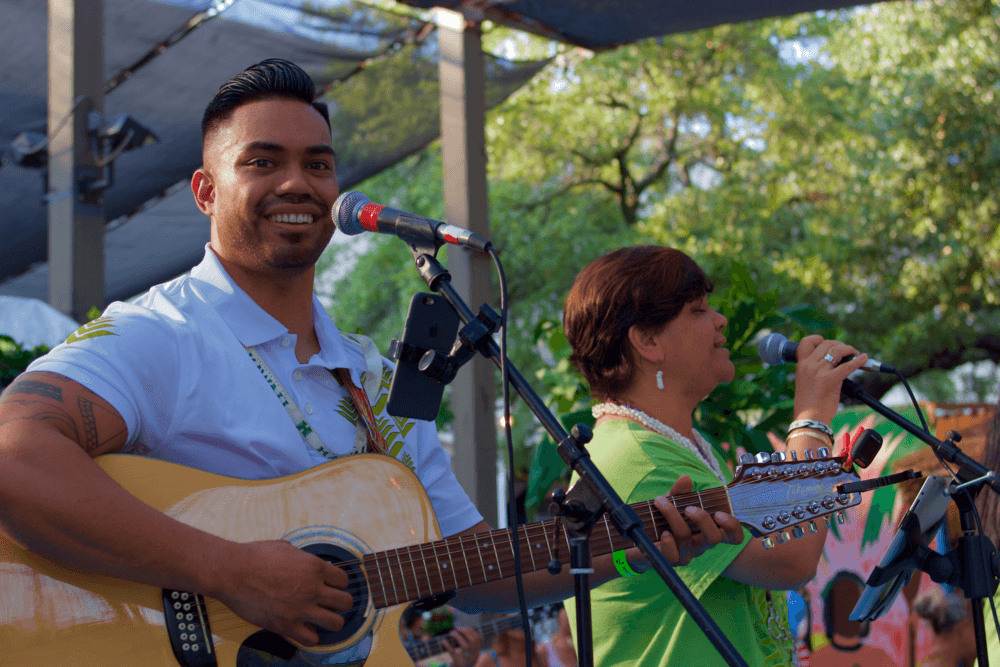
x,y
776,349
354,213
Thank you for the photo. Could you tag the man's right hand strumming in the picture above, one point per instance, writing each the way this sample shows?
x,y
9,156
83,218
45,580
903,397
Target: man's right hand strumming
x,y
281,588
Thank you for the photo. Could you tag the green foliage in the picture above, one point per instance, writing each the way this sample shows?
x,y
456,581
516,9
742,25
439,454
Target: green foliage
x,y
862,181
14,358
758,399
874,196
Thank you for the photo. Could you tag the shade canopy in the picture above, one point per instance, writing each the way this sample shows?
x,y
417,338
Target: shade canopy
x,y
165,59
378,70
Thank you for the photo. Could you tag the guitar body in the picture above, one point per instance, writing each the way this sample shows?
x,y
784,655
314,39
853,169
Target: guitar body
x,y
368,514
51,615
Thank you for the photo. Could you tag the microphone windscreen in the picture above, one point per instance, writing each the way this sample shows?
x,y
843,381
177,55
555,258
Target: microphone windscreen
x,y
775,349
344,212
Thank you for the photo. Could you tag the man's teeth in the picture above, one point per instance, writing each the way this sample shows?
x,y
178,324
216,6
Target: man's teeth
x,y
296,218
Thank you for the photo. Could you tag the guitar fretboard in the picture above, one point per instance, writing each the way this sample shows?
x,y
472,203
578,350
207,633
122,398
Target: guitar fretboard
x,y
410,573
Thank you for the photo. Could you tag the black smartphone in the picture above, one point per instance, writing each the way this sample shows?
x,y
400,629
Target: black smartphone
x,y
431,324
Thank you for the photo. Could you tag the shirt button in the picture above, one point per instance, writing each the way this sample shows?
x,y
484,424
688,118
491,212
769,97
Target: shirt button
x,y
286,341
309,409
298,375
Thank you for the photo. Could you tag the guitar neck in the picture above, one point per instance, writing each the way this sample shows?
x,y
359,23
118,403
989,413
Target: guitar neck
x,y
410,573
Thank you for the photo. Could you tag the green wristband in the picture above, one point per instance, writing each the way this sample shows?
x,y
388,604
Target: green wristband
x,y
621,564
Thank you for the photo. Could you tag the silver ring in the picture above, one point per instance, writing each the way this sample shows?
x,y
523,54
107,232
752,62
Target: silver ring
x,y
829,358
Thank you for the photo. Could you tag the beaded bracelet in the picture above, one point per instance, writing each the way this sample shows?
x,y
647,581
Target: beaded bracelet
x,y
810,423
621,564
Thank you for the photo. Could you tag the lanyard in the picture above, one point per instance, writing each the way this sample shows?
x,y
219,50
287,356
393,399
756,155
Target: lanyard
x,y
368,435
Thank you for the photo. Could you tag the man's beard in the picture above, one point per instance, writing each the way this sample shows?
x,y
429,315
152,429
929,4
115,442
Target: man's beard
x,y
295,256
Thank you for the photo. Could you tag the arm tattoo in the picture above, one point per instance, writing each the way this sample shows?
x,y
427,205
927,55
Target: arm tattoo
x,y
39,388
89,424
45,412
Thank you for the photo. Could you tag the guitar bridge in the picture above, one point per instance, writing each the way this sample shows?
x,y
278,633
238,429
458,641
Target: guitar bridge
x,y
186,619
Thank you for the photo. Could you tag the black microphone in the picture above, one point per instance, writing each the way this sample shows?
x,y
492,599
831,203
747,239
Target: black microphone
x,y
776,349
354,213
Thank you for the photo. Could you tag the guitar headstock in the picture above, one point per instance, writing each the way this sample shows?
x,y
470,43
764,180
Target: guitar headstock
x,y
770,493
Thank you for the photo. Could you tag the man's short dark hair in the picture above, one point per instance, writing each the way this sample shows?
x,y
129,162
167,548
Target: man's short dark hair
x,y
268,79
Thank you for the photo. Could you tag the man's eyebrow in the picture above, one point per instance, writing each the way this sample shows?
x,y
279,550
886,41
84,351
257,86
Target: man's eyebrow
x,y
321,149
263,146
270,147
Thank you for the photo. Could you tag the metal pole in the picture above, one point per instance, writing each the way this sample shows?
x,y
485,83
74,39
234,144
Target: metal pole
x,y
463,149
76,225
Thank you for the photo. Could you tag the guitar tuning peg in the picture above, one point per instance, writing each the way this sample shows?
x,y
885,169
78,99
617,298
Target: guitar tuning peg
x,y
783,536
810,455
826,520
777,457
795,455
746,457
813,527
823,452
841,517
768,543
797,532
763,457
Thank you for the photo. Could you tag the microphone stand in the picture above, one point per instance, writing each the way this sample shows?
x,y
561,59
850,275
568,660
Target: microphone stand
x,y
595,495
975,566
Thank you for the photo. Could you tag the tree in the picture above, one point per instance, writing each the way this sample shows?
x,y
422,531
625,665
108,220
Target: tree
x,y
861,181
875,196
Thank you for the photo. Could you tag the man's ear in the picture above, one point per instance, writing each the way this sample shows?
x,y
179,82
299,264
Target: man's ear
x,y
203,190
645,343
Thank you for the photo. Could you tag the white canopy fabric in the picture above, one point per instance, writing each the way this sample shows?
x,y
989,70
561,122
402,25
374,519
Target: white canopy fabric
x,y
31,322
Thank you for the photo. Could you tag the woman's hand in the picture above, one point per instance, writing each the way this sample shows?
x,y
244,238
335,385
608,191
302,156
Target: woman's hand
x,y
818,379
680,544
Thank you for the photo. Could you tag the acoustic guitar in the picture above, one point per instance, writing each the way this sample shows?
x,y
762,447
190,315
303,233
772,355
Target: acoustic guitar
x,y
368,514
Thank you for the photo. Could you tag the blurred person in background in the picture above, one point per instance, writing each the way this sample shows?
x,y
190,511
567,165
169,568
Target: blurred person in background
x,y
846,647
508,650
949,615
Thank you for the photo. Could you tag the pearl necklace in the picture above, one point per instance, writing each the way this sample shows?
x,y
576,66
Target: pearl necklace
x,y
700,449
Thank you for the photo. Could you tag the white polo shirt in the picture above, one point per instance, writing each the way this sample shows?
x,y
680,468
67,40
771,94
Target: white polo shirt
x,y
174,366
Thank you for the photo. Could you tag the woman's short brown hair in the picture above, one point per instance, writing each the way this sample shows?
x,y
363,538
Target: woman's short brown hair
x,y
646,286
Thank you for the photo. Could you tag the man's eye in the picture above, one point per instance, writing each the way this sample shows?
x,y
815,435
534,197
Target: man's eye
x,y
319,165
261,162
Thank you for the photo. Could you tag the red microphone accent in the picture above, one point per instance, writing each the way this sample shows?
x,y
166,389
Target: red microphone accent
x,y
368,217
450,239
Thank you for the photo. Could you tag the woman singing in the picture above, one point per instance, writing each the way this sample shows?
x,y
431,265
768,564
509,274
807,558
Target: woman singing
x,y
651,348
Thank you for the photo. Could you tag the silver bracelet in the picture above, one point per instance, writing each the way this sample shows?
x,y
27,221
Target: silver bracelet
x,y
810,423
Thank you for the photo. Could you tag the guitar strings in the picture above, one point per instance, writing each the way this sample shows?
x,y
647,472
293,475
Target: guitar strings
x,y
427,556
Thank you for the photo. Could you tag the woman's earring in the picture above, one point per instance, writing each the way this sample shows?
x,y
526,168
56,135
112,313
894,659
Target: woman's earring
x,y
659,379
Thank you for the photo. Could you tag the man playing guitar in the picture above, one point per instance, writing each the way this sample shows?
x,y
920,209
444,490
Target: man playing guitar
x,y
206,370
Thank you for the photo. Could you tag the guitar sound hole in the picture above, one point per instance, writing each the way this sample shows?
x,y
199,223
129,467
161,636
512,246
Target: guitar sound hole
x,y
267,649
354,618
